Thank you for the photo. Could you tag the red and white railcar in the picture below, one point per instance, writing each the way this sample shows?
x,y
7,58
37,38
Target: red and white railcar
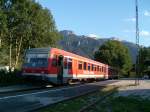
x,y
59,66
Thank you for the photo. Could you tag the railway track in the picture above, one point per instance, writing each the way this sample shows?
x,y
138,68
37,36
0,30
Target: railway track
x,y
100,100
21,91
24,89
34,100
10,89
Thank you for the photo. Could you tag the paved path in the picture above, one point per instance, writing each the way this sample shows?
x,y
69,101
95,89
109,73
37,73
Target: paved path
x,y
17,88
30,101
142,90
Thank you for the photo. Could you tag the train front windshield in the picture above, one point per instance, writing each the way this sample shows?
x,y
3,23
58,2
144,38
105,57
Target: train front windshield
x,y
36,60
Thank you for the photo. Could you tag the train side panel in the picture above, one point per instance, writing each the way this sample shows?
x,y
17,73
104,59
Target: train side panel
x,y
74,66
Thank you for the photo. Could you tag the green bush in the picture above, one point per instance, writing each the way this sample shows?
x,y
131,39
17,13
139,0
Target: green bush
x,y
9,78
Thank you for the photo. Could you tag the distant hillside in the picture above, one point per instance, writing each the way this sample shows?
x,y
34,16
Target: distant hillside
x,y
86,46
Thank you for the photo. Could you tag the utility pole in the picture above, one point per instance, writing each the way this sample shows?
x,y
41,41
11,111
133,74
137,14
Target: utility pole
x,y
137,44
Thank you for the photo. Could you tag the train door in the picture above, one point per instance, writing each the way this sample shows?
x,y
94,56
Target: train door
x,y
68,71
65,66
60,70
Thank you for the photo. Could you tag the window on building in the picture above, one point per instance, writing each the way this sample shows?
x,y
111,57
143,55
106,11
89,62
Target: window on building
x,y
85,65
80,65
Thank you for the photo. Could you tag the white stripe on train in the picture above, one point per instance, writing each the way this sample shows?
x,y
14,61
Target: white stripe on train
x,y
70,75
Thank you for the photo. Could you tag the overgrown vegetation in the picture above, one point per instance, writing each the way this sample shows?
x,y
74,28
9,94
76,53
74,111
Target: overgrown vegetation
x,y
24,24
10,78
144,61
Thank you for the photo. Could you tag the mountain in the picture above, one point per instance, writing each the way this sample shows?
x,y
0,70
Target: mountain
x,y
87,45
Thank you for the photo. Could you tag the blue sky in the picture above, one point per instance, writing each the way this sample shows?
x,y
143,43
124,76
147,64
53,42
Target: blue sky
x,y
105,18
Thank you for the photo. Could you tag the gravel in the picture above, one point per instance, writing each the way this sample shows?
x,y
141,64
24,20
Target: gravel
x,y
142,90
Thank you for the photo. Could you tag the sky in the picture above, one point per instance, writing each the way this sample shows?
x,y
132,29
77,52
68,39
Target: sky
x,y
101,18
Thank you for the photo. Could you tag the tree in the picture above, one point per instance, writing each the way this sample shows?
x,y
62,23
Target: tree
x,y
3,26
29,25
115,54
144,59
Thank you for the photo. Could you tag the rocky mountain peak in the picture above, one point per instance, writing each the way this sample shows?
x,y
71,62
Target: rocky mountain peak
x,y
67,32
86,46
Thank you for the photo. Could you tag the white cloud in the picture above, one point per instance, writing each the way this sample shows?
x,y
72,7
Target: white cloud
x,y
146,13
130,19
93,35
144,33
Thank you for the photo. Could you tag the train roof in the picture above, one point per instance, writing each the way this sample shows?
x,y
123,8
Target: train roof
x,y
71,55
37,50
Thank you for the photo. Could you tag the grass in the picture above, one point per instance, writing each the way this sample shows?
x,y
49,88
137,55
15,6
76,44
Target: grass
x,y
122,104
76,104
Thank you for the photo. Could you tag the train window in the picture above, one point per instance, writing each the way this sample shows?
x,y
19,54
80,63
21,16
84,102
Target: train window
x,y
80,65
89,66
65,63
54,60
69,63
97,68
92,67
102,69
37,62
84,65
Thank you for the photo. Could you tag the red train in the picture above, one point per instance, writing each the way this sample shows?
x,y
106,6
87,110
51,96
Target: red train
x,y
59,66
